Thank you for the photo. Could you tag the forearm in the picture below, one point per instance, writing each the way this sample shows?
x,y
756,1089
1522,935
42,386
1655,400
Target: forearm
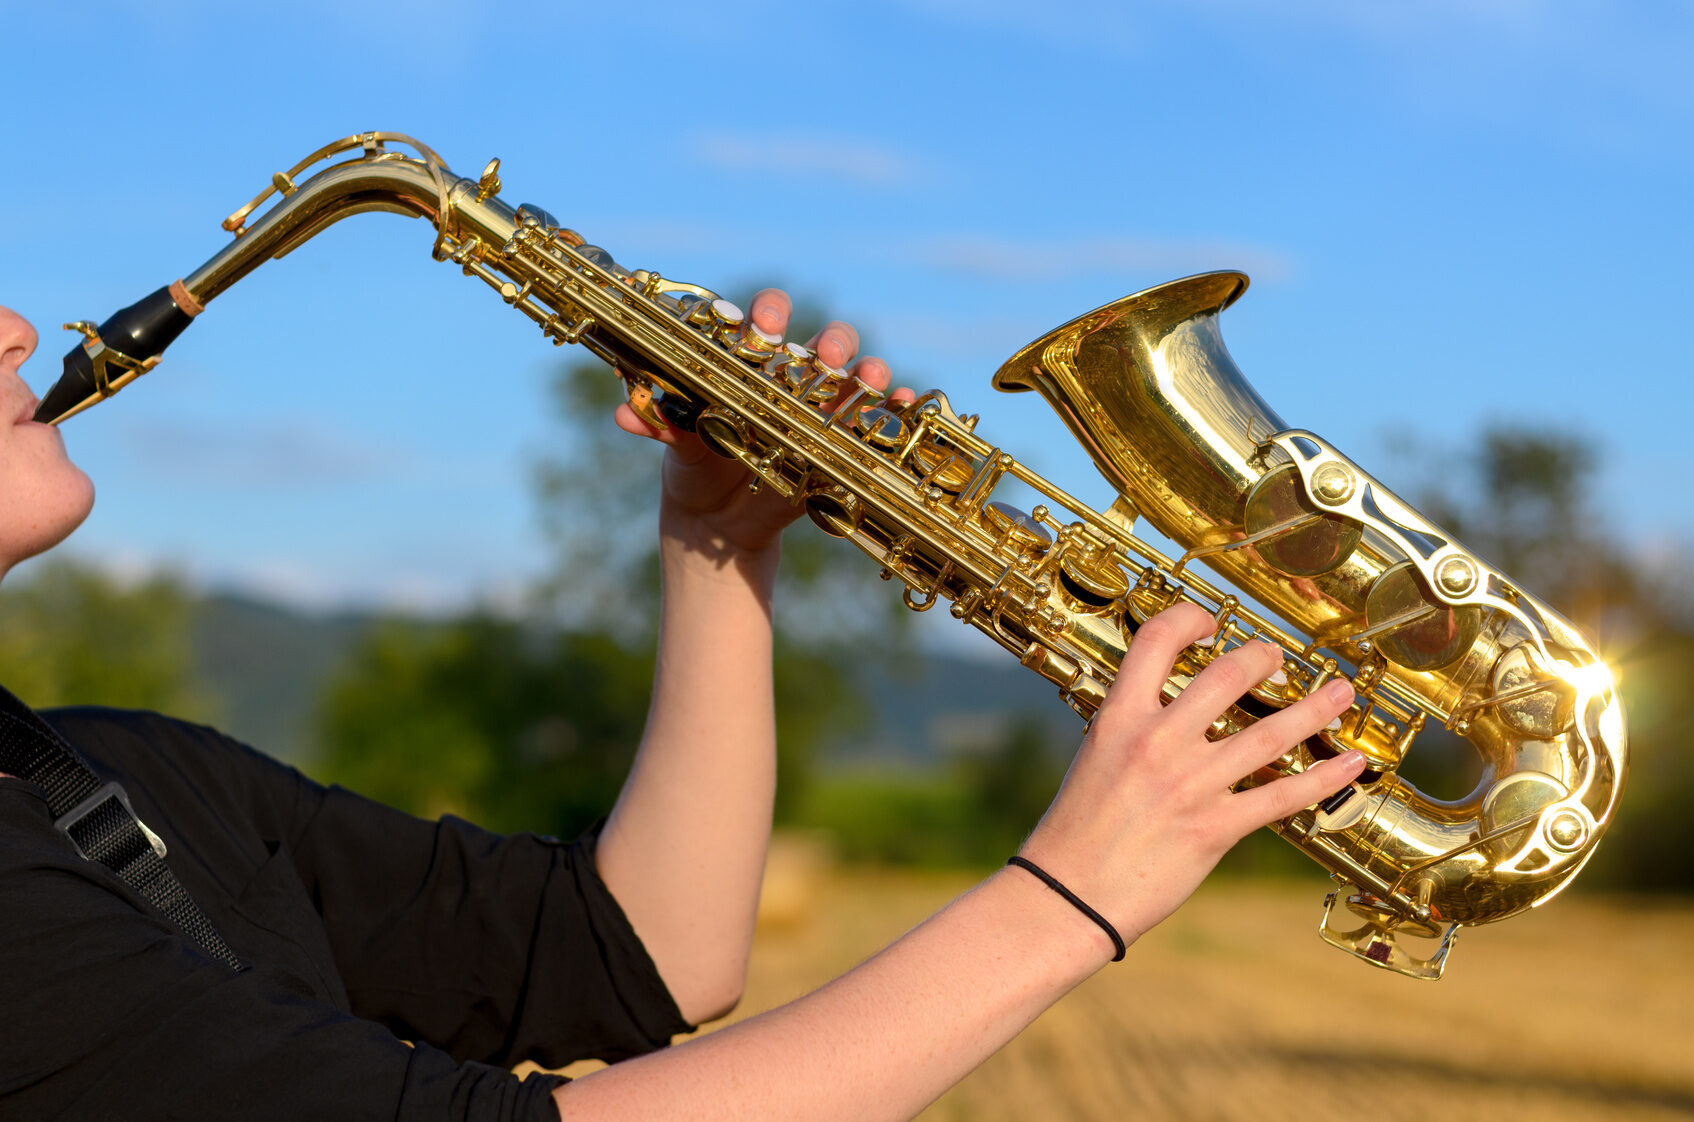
x,y
684,849
882,1041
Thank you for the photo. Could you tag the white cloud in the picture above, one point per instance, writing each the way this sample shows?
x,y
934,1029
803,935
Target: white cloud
x,y
1098,24
809,156
262,453
988,255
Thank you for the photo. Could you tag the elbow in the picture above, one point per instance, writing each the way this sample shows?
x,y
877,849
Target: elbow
x,y
714,997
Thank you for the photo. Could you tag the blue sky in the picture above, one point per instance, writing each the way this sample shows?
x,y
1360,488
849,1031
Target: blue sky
x,y
1454,214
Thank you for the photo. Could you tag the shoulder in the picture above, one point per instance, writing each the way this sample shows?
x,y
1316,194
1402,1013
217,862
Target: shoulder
x,y
187,767
127,738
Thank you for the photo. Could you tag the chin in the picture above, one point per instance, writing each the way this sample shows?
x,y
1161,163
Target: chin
x,y
53,513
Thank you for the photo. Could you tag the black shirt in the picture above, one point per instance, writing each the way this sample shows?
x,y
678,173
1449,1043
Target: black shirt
x,y
364,928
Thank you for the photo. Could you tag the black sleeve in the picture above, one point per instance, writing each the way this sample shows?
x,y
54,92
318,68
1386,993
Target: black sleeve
x,y
109,1013
501,949
492,949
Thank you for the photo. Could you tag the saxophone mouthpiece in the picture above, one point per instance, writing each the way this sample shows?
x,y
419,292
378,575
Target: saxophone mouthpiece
x,y
118,351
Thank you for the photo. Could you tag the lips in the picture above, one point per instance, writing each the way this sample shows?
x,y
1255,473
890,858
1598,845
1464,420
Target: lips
x,y
27,413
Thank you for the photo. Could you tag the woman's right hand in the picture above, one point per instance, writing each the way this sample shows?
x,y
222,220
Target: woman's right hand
x,y
1147,809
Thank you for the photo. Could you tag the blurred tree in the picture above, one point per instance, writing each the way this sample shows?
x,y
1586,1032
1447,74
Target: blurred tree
x,y
598,502
71,634
598,499
508,726
1009,786
1523,498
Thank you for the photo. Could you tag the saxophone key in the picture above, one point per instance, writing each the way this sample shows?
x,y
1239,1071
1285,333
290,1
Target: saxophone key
x,y
530,215
880,428
723,433
790,367
756,344
939,466
832,508
1091,584
694,309
1342,809
726,323
1014,530
825,383
603,261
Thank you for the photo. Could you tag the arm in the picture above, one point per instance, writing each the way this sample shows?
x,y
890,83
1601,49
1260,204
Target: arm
x,y
1145,812
684,849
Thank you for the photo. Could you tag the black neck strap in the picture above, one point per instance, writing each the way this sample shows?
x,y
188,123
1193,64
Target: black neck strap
x,y
97,818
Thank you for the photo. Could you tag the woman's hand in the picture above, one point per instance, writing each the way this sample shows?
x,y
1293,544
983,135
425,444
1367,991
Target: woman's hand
x,y
705,502
1147,808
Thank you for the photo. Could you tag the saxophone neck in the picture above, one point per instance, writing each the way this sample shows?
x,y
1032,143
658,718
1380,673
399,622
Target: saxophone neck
x,y
131,342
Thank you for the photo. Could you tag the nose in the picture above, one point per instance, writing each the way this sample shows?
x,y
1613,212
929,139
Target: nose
x,y
17,339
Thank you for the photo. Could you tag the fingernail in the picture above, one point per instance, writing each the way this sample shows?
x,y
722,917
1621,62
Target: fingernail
x,y
1338,690
1279,678
1350,758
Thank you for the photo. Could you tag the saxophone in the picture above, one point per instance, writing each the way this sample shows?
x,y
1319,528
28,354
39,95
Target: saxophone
x,y
1305,549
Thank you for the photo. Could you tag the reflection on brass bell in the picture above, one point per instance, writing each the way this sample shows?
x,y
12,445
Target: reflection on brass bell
x,y
1543,713
1430,635
1319,546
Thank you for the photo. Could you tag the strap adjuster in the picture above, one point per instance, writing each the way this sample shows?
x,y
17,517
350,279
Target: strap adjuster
x,y
113,790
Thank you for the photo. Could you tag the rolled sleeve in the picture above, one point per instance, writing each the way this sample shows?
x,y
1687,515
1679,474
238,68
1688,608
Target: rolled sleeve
x,y
496,948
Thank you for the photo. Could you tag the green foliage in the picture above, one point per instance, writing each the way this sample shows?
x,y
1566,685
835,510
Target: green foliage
x,y
1525,500
482,718
519,728
975,813
72,635
597,496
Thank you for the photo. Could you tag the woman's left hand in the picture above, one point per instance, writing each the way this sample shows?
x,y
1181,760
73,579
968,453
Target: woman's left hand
x,y
705,500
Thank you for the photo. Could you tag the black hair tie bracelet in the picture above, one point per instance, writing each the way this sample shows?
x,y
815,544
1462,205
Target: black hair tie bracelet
x,y
1075,901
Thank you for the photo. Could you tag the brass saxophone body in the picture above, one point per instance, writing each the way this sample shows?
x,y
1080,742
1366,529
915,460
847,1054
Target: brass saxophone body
x,y
1308,550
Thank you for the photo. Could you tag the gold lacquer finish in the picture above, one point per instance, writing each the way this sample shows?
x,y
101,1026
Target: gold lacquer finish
x,y
1309,550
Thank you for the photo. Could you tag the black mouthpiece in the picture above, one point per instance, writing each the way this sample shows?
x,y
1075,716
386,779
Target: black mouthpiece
x,y
140,332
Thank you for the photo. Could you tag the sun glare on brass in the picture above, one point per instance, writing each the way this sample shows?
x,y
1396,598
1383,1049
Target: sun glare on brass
x,y
1309,550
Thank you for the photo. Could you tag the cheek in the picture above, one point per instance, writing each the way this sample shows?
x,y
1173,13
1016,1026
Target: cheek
x,y
43,497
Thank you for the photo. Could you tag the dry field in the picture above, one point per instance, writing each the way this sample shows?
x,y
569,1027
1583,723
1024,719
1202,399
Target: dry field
x,y
1234,1010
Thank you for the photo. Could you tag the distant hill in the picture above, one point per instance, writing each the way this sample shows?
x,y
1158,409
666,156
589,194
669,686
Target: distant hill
x,y
268,664
932,708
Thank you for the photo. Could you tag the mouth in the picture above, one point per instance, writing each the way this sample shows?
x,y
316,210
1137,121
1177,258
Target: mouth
x,y
26,415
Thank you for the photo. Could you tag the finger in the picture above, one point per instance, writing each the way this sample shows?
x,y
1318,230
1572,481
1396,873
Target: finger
x,y
1291,794
1222,683
869,373
1271,736
629,420
836,344
873,372
1147,664
770,310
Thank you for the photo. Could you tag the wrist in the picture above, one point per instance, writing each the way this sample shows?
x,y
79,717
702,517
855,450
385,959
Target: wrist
x,y
690,547
1072,943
